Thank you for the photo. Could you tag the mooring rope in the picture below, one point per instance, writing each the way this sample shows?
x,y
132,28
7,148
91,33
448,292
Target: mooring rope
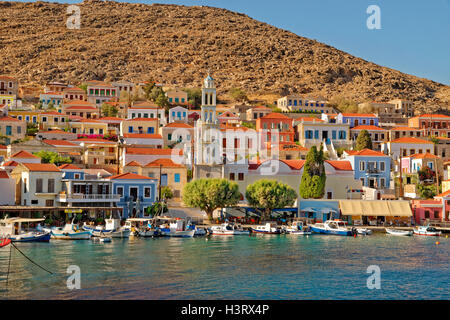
x,y
29,259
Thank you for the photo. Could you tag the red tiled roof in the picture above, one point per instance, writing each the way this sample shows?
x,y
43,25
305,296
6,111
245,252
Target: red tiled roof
x,y
11,163
41,167
141,119
143,135
2,147
133,164
434,116
444,194
367,127
366,152
168,163
425,155
308,119
24,154
405,129
340,165
69,166
411,140
56,131
110,119
294,164
275,115
178,125
7,118
60,143
54,113
130,176
81,108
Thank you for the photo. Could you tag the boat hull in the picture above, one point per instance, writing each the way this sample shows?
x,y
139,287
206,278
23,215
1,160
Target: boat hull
x,y
331,232
4,242
45,237
178,234
400,233
430,234
264,231
62,235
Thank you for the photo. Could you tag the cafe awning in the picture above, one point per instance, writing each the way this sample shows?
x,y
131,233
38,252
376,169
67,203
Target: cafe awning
x,y
375,208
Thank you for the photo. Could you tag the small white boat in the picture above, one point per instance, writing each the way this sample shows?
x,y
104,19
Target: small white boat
x,y
176,228
13,228
427,231
334,227
70,232
297,228
228,229
268,228
364,231
396,232
103,239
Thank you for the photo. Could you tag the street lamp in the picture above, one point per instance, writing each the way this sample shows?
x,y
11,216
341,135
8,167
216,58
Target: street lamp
x,y
120,142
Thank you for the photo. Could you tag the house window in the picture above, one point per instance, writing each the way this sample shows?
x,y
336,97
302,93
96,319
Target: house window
x,y
76,176
382,182
382,166
147,192
232,176
51,185
130,129
39,185
362,165
44,119
177,177
25,186
120,191
150,130
169,137
19,130
240,176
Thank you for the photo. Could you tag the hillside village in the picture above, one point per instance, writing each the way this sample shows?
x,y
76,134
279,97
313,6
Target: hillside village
x,y
118,148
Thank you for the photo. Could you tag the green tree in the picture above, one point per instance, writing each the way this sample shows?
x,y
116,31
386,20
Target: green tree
x,y
166,193
52,157
343,105
364,141
426,191
209,194
194,97
314,177
155,93
83,87
109,110
162,101
268,195
51,106
238,95
148,88
32,128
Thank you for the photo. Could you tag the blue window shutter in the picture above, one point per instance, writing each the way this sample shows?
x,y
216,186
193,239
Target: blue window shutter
x,y
130,129
184,114
177,177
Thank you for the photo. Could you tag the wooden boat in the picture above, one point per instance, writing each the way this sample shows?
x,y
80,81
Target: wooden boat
x,y
70,232
334,227
268,228
427,231
297,228
15,231
396,232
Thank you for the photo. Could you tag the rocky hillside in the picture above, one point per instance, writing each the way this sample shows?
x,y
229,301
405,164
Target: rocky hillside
x,y
178,44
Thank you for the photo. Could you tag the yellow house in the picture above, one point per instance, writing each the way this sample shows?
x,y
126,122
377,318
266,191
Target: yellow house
x,y
12,129
88,126
53,120
27,115
139,125
10,100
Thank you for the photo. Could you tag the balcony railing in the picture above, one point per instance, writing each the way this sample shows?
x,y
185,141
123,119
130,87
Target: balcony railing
x,y
87,197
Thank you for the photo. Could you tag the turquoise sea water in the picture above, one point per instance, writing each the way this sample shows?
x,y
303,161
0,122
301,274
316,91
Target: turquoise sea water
x,y
240,267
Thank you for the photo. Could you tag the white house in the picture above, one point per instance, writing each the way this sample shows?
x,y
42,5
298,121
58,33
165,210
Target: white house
x,y
178,114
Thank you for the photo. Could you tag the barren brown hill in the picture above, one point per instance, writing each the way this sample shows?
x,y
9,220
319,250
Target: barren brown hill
x,y
178,44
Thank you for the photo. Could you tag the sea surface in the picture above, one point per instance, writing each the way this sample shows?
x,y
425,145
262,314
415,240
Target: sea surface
x,y
240,267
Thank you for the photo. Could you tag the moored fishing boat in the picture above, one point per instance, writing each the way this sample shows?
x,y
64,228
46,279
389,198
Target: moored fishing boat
x,y
427,231
176,227
70,232
334,227
228,229
396,232
364,231
297,228
14,230
142,227
112,228
268,228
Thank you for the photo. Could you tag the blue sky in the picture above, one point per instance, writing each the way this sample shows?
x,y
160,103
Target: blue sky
x,y
414,37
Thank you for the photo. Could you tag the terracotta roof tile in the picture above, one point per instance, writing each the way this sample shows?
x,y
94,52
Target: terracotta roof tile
x,y
411,140
168,163
24,154
41,167
130,176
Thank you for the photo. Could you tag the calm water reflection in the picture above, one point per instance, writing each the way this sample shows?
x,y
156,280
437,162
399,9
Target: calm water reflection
x,y
246,267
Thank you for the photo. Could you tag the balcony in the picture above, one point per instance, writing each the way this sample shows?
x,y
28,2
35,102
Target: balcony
x,y
370,171
79,197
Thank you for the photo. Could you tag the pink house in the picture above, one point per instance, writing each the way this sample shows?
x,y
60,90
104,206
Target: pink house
x,y
426,209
